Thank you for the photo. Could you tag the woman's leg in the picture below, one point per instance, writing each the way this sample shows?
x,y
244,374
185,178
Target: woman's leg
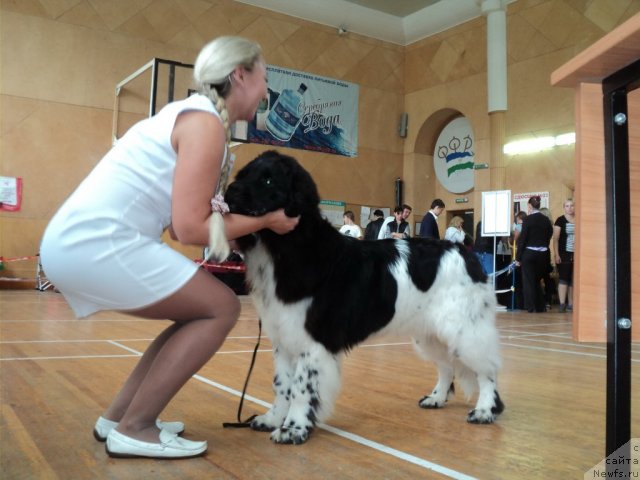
x,y
562,292
542,270
528,266
204,311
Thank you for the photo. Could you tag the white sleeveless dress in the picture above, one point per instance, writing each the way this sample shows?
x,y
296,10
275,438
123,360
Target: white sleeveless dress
x,y
102,249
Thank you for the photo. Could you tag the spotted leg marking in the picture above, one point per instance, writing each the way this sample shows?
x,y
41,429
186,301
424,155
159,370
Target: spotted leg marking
x,y
314,388
282,379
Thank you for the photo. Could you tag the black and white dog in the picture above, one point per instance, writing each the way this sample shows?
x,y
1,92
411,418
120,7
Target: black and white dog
x,y
320,293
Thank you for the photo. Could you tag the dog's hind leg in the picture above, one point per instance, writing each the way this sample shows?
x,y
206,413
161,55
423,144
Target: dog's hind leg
x,y
431,349
479,363
282,379
489,403
314,388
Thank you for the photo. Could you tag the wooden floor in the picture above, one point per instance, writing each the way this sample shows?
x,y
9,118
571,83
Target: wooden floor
x,y
58,374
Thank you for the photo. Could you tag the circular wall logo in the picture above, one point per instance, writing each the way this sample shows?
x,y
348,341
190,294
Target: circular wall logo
x,y
453,158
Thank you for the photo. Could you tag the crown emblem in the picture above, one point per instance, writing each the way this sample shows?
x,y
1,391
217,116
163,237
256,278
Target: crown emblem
x,y
454,154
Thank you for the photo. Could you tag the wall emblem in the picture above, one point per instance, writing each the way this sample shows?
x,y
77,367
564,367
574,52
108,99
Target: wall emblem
x,y
453,159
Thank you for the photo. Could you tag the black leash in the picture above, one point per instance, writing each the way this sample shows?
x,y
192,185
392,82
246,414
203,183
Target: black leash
x,y
247,422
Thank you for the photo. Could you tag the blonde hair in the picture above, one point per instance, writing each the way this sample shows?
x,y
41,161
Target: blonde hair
x,y
212,77
456,221
214,66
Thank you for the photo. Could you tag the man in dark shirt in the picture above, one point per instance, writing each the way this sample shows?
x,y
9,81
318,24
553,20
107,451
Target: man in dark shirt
x,y
373,227
429,226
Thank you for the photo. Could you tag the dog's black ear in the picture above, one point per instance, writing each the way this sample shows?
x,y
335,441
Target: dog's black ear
x,y
304,193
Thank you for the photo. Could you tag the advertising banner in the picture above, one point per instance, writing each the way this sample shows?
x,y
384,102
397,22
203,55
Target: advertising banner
x,y
308,112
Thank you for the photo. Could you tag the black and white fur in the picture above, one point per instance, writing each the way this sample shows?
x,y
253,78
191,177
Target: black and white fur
x,y
320,293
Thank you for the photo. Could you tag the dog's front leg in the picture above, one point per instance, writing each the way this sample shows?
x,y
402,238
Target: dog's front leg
x,y
282,379
313,392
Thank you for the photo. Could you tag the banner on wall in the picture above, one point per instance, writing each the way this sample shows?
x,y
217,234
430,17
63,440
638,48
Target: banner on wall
x,y
333,210
308,112
520,200
10,194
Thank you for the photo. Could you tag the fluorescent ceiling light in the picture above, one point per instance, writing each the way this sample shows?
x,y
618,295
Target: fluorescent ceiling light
x,y
538,144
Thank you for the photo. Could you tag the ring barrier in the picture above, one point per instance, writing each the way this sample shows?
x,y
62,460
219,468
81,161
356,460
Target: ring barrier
x,y
508,269
42,283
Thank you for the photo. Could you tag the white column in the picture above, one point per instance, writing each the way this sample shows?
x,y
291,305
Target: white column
x,y
495,11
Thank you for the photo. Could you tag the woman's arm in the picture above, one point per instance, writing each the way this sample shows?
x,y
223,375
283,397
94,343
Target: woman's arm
x,y
199,139
556,242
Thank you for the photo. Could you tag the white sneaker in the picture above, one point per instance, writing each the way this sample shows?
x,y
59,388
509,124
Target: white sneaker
x,y
103,427
170,446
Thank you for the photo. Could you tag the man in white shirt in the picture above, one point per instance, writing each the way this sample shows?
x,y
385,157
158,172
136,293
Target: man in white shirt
x,y
350,228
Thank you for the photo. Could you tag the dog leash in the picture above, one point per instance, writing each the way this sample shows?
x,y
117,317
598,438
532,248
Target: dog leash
x,y
247,422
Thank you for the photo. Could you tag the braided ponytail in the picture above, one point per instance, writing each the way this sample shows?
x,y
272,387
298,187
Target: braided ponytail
x,y
212,76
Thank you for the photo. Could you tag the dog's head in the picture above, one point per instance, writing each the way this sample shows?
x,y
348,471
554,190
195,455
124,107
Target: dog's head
x,y
270,182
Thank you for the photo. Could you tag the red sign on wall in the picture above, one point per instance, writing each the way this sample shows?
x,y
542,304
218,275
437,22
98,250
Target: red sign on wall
x,y
10,194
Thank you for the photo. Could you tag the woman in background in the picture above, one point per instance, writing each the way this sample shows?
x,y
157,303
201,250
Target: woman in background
x,y
454,231
533,254
564,238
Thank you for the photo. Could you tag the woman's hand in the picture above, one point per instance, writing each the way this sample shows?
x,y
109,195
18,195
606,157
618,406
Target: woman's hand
x,y
279,223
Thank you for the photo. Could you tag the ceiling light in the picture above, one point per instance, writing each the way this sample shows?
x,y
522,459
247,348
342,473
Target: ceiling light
x,y
538,144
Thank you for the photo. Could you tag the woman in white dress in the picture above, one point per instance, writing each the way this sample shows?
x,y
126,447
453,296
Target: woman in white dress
x,y
103,250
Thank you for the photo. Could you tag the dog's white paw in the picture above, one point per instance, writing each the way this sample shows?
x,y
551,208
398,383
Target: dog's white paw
x,y
432,402
487,415
264,423
481,416
436,399
295,434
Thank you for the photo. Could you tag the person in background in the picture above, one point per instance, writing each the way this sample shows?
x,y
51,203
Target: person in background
x,y
350,229
483,248
564,237
533,254
517,228
373,227
406,213
399,228
549,283
454,232
103,247
517,281
429,226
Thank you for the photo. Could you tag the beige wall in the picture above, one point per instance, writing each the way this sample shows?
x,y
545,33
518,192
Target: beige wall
x,y
60,62
448,71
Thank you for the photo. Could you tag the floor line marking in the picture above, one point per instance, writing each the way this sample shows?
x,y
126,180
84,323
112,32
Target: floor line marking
x,y
352,437
568,352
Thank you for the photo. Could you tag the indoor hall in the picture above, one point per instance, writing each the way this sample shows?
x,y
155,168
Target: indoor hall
x,y
62,62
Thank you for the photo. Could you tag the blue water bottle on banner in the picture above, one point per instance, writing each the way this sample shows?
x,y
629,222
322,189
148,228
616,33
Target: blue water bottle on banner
x,y
286,113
